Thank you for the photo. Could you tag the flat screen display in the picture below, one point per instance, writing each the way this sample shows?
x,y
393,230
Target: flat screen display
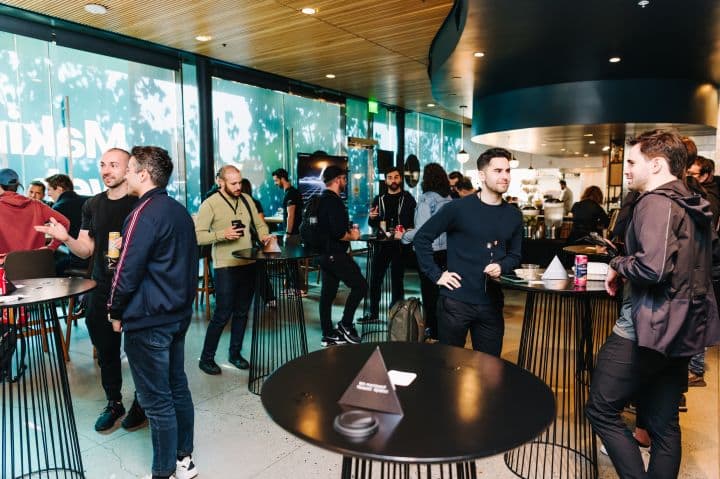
x,y
310,170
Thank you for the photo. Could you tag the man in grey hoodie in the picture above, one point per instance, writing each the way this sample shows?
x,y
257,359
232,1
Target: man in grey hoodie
x,y
672,316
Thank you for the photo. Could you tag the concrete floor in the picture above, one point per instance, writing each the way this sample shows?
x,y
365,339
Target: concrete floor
x,y
234,438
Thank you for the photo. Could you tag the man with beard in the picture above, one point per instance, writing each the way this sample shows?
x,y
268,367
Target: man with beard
x,y
672,312
224,221
292,216
103,214
484,236
335,263
396,209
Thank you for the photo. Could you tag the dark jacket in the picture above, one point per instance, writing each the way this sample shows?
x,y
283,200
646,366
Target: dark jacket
x,y
669,243
70,205
333,223
588,217
156,275
405,215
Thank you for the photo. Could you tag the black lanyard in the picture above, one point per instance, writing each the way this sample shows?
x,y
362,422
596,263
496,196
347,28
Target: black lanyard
x,y
234,209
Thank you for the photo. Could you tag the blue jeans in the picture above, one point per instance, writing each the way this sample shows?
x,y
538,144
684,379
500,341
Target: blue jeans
x,y
234,290
157,362
624,371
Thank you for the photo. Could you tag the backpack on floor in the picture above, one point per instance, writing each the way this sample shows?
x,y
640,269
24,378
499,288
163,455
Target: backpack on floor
x,y
406,321
310,233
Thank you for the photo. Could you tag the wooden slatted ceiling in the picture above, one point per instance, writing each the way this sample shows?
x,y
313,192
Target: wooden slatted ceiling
x,y
376,48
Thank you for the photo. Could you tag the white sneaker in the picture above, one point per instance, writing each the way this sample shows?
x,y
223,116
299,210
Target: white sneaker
x,y
185,469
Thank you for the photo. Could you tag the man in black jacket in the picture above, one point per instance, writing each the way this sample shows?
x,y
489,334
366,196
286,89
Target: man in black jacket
x,y
151,300
673,314
392,211
335,263
70,204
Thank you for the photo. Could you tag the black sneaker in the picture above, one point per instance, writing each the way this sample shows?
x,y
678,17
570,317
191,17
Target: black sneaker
x,y
135,417
239,362
696,380
332,339
209,367
112,412
349,333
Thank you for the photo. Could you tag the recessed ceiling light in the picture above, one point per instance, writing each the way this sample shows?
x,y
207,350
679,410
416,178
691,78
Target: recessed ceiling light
x,y
606,148
577,152
96,9
203,38
614,60
644,3
586,155
430,105
309,11
479,54
588,134
592,142
329,75
562,149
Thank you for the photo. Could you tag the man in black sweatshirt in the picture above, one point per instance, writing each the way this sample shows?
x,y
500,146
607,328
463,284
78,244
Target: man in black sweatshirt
x,y
395,208
484,237
335,263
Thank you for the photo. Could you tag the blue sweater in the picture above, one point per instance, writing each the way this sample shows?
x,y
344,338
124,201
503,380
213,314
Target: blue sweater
x,y
471,227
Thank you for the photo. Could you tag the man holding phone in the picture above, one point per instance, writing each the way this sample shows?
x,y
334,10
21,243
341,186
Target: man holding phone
x,y
225,220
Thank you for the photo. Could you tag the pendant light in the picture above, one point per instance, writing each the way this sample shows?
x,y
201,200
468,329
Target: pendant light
x,y
462,155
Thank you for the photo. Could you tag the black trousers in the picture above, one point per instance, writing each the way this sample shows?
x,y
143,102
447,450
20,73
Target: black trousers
x,y
386,255
335,268
484,321
656,382
234,290
430,291
106,342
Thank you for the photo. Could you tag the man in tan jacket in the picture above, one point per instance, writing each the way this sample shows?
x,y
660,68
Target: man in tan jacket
x,y
225,220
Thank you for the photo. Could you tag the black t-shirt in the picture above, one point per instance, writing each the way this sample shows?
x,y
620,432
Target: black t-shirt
x,y
258,206
293,198
100,216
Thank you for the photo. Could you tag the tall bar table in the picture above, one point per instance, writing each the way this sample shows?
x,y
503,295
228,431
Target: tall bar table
x,y
563,329
278,332
39,434
376,330
463,405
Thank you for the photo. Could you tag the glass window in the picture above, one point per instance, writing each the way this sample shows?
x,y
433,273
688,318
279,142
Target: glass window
x,y
65,107
249,129
191,136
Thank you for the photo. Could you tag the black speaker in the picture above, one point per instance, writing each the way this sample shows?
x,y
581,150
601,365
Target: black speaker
x,y
385,160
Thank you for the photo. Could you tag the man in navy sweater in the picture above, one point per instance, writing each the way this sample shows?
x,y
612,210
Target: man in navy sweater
x,y
484,237
151,300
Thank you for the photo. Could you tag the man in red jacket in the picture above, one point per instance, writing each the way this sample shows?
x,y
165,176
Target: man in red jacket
x,y
18,215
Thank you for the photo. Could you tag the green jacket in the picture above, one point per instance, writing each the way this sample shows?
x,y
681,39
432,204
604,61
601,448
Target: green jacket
x,y
214,217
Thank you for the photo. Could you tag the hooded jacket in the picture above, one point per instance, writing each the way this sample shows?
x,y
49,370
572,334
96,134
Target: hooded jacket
x,y
670,254
18,215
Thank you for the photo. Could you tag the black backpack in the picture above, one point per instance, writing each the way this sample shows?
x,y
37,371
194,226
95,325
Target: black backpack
x,y
310,232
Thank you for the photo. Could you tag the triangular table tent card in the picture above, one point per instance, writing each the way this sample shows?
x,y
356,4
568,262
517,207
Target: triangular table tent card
x,y
372,388
555,270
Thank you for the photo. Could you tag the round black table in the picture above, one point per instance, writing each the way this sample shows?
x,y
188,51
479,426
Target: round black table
x,y
39,434
377,329
278,332
463,405
563,329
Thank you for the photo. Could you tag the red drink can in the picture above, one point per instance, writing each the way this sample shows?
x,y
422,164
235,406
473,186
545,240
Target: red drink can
x,y
581,262
3,284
